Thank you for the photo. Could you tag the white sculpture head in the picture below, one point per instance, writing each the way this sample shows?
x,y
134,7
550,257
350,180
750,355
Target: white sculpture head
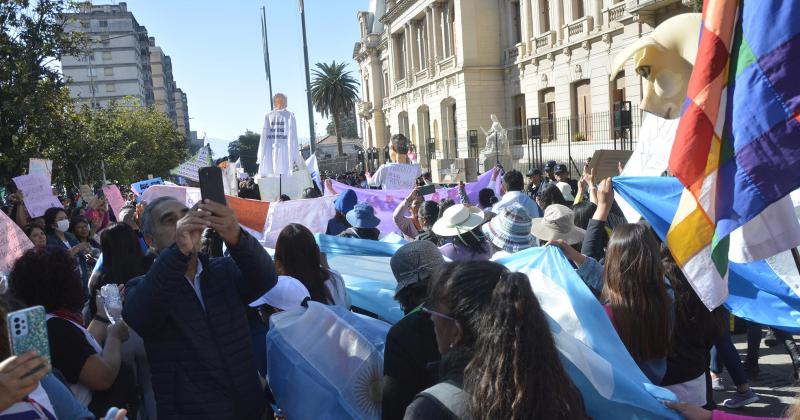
x,y
494,118
664,58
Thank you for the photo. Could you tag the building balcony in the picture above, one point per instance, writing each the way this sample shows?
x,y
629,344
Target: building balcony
x,y
421,75
399,85
580,28
614,14
544,41
447,63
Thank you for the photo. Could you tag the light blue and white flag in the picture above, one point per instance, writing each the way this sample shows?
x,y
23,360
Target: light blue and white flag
x,y
611,383
755,291
313,169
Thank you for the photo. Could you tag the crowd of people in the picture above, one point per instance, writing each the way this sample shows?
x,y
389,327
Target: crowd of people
x,y
197,291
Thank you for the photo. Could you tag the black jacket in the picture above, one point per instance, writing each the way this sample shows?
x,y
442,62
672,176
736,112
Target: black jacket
x,y
201,356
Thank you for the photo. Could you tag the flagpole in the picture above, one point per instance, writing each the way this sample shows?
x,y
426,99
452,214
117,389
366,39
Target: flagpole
x,y
265,46
308,81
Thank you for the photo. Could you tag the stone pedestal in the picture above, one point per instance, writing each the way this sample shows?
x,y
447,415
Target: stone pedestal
x,y
451,171
488,160
292,185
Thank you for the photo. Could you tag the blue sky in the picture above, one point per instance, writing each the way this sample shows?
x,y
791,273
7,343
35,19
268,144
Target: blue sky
x,y
217,57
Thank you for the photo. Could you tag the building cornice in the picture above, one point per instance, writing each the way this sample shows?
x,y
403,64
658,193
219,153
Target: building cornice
x,y
392,14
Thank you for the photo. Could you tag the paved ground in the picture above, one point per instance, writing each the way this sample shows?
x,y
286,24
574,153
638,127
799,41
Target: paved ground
x,y
775,384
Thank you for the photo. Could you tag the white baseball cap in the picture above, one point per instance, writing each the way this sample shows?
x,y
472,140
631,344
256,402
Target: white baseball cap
x,y
287,294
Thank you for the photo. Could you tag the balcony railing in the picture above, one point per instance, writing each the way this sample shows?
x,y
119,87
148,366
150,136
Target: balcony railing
x,y
399,85
447,63
545,40
580,28
614,13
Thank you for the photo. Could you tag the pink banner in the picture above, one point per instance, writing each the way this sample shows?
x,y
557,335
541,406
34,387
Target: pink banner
x,y
14,243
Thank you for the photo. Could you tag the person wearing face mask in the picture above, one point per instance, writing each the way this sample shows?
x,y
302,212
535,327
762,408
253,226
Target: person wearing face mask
x,y
56,227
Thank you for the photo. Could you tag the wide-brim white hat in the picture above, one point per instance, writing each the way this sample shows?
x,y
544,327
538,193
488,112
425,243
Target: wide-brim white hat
x,y
458,219
557,223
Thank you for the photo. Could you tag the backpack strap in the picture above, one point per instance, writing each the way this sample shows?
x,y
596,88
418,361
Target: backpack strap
x,y
450,396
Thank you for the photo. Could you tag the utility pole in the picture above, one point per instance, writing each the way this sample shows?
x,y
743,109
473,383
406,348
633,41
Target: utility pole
x,y
265,45
312,140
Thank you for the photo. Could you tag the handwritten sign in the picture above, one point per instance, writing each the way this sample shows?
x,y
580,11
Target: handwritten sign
x,y
140,187
114,197
251,213
38,195
41,166
14,243
396,176
87,194
190,169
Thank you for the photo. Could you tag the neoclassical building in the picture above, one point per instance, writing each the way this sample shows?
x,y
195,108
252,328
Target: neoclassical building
x,y
435,70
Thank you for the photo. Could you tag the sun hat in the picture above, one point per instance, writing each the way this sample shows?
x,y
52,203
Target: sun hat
x,y
345,201
510,230
558,223
415,262
362,216
287,294
458,219
566,190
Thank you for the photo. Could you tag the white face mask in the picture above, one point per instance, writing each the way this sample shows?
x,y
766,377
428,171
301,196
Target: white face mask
x,y
63,225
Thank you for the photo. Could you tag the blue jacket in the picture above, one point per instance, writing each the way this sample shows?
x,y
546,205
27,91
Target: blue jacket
x,y
52,240
201,356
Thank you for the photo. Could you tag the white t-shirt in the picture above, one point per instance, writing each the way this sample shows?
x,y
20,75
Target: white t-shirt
x,y
396,176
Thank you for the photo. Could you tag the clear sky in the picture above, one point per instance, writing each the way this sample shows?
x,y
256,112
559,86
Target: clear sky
x,y
217,57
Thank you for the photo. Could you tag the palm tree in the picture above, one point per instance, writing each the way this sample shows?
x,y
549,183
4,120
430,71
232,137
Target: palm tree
x,y
334,93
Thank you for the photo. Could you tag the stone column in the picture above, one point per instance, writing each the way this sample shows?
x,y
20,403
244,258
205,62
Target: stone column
x,y
568,18
431,40
527,28
436,31
597,14
557,18
409,54
536,18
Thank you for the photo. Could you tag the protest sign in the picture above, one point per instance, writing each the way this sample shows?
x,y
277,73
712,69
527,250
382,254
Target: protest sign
x,y
37,194
190,168
606,162
140,187
251,213
114,197
86,193
312,213
14,243
41,166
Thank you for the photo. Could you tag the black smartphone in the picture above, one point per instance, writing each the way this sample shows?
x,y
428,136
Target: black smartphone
x,y
211,184
427,189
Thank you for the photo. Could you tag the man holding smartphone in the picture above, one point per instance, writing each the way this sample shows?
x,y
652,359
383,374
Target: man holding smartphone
x,y
190,311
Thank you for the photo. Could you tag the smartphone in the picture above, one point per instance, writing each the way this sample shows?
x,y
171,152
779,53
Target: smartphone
x,y
27,331
427,189
211,184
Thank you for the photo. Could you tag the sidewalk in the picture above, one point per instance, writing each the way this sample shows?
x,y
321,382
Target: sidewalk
x,y
775,384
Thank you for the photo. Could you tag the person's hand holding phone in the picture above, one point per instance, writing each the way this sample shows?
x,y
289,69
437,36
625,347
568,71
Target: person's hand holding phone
x,y
19,376
223,220
189,229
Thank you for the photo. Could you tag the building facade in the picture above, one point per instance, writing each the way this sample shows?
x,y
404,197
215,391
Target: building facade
x,y
121,61
117,61
435,70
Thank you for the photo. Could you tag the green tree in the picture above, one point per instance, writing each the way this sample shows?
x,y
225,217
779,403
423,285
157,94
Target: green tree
x,y
130,141
245,147
349,126
334,92
33,107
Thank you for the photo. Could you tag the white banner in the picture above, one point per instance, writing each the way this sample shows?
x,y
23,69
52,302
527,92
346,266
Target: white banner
x,y
190,168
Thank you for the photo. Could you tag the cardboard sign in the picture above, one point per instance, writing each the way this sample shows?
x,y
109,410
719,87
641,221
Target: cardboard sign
x,y
251,213
190,169
86,193
606,163
38,195
140,187
42,167
114,197
14,243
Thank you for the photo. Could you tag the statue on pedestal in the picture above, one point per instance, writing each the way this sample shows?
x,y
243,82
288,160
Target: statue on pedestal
x,y
496,134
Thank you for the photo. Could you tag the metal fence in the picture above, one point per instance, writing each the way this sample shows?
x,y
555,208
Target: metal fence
x,y
567,140
339,164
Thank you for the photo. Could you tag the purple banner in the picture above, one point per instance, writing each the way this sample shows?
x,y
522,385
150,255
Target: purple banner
x,y
385,201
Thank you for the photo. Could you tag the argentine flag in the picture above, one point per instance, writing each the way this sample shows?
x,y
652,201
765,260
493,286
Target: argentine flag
x,y
611,383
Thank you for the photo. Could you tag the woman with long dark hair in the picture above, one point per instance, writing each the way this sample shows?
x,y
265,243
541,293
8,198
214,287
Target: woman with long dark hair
x,y
636,298
123,261
488,324
297,255
551,195
79,226
56,226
